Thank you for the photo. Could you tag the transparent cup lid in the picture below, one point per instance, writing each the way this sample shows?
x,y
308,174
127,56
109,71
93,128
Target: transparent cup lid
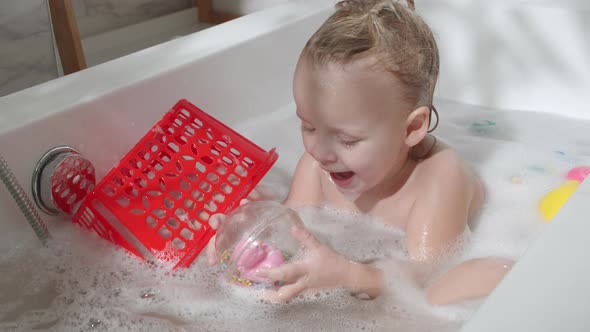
x,y
254,236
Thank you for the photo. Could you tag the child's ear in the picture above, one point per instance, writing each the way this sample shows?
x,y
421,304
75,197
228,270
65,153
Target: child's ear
x,y
417,125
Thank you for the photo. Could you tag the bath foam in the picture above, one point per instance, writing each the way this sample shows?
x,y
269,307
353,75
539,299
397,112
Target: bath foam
x,y
81,283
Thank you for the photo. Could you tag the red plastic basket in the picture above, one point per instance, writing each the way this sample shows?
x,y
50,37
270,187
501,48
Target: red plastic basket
x,y
157,201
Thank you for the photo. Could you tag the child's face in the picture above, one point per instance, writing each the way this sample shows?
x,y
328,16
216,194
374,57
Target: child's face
x,y
354,122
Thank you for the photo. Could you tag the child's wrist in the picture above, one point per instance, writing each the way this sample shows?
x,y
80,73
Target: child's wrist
x,y
363,278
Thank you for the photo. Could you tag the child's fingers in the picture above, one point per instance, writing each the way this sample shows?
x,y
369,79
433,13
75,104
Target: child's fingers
x,y
254,195
287,273
260,193
210,251
244,201
305,238
216,220
284,293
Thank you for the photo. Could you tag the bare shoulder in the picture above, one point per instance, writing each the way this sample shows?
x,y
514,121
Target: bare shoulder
x,y
448,194
445,171
444,160
306,189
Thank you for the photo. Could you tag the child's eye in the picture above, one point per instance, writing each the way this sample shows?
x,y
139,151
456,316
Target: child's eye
x,y
349,142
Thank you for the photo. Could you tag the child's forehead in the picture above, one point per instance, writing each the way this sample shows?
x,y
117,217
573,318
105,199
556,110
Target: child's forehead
x,y
349,91
359,80
362,70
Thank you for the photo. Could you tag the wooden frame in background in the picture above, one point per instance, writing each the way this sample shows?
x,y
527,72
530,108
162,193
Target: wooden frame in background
x,y
208,15
67,36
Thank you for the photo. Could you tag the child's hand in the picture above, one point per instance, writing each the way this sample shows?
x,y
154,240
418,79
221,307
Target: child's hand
x,y
261,193
215,221
322,267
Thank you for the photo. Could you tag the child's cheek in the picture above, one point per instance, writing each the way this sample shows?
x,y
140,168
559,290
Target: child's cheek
x,y
362,162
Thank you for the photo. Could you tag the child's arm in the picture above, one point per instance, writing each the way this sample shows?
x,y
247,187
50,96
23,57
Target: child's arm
x,y
438,219
364,279
306,187
321,267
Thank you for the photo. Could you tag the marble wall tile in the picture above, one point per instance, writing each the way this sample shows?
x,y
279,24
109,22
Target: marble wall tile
x,y
27,57
244,7
97,16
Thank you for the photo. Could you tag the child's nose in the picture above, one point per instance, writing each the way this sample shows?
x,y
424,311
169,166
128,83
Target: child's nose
x,y
323,155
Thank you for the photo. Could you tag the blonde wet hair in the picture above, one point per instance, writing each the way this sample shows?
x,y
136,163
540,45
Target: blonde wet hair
x,y
388,30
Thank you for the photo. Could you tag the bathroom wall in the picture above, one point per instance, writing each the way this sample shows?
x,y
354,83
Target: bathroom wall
x,y
26,47
97,16
27,55
245,6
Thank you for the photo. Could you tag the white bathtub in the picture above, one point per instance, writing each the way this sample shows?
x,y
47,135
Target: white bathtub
x,y
530,55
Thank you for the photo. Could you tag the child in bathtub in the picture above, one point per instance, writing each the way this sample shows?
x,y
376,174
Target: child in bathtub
x,y
364,88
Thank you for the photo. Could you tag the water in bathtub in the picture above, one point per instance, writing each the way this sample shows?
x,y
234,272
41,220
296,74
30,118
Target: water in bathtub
x,y
81,283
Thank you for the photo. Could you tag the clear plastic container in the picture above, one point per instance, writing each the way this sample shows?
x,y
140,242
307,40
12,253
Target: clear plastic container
x,y
254,236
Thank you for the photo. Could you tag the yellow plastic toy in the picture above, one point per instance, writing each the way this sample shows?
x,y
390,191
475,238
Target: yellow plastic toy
x,y
554,200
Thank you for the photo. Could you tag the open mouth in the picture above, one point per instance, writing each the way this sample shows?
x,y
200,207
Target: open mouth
x,y
342,179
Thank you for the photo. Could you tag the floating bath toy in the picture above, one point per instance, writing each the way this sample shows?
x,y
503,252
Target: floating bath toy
x,y
483,126
541,169
578,173
565,157
554,200
254,236
516,179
